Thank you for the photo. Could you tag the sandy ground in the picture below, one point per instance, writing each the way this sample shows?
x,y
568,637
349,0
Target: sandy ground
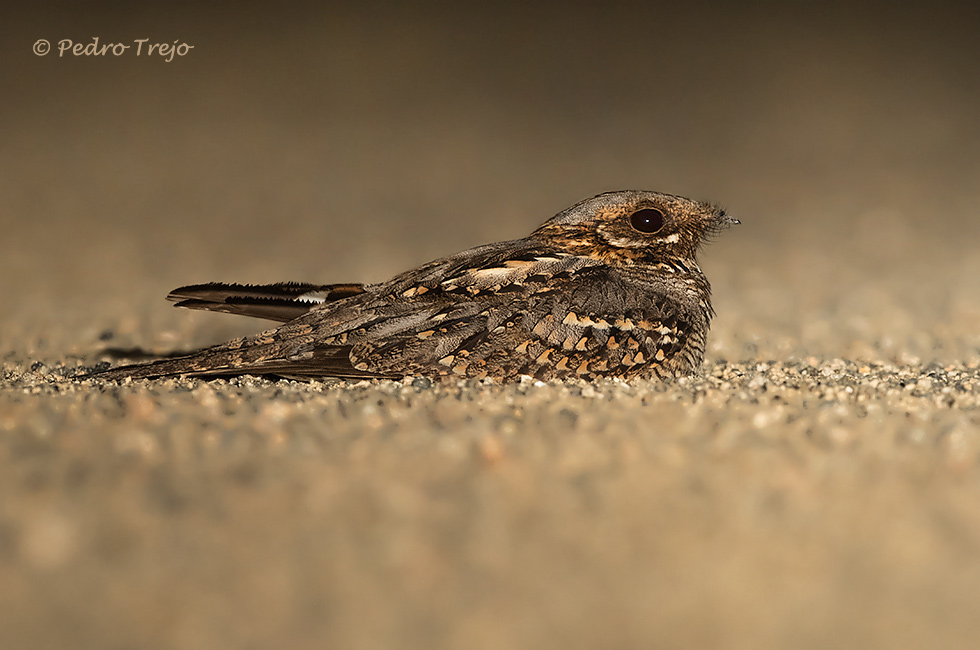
x,y
818,486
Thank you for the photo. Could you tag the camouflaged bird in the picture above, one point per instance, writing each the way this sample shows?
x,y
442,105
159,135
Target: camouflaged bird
x,y
607,288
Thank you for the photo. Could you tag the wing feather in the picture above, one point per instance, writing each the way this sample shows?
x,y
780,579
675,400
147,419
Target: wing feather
x,y
551,328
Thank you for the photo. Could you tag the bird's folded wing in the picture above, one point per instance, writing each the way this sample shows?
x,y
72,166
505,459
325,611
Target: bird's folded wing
x,y
581,323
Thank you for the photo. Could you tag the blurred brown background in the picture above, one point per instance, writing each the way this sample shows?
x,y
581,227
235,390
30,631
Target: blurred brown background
x,y
326,143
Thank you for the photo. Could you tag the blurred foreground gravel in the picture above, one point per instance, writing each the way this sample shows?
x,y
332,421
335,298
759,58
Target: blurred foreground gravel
x,y
781,505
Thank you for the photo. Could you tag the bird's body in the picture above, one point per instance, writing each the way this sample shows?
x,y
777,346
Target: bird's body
x,y
608,287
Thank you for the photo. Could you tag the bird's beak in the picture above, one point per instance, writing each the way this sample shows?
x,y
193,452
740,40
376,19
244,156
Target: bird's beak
x,y
725,220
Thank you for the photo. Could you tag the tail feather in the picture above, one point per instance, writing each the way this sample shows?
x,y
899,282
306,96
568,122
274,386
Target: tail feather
x,y
254,355
219,362
280,302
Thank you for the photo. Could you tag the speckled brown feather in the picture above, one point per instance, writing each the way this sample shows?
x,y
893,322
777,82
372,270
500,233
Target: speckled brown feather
x,y
586,295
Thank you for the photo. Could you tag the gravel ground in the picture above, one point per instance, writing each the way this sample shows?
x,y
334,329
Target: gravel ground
x,y
817,486
768,504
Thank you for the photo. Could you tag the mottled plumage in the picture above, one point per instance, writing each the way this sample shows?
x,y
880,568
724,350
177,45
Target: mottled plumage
x,y
608,287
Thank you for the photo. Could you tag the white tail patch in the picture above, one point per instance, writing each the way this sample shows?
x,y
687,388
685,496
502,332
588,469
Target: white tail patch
x,y
316,297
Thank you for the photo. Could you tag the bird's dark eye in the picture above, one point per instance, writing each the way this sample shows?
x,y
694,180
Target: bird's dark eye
x,y
647,220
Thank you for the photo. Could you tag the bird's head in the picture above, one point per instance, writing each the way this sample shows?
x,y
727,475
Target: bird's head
x,y
635,226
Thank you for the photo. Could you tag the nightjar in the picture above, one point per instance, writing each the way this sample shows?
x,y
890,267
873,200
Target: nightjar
x,y
609,287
